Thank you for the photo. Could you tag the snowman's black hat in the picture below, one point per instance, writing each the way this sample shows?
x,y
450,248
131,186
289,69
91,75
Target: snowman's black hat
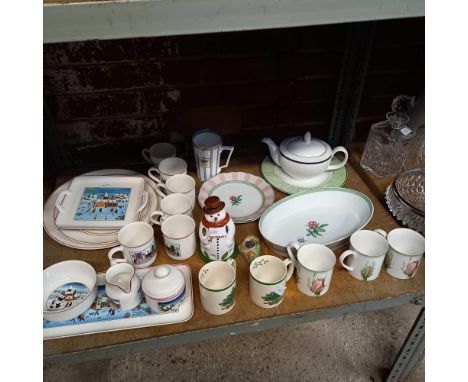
x,y
212,205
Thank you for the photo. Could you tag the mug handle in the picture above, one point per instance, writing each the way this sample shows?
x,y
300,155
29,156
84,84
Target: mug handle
x,y
60,199
232,263
144,202
381,231
343,162
290,267
343,256
157,180
225,148
146,155
111,254
289,248
160,186
154,219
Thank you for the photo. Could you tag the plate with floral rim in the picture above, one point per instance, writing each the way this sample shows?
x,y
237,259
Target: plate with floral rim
x,y
279,180
246,196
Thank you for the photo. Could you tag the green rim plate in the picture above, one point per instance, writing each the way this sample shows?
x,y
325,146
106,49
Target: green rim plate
x,y
268,172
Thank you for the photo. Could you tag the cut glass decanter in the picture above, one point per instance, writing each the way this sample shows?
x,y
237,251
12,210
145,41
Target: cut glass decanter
x,y
388,141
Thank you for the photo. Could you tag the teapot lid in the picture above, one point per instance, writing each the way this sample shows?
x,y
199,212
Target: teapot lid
x,y
162,282
305,149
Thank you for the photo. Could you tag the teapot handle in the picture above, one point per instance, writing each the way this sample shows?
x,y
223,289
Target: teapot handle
x,y
343,162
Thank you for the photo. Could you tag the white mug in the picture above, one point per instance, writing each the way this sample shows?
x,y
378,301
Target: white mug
x,y
168,167
158,152
268,277
123,286
180,183
217,281
173,204
207,146
314,264
179,236
137,245
406,249
367,251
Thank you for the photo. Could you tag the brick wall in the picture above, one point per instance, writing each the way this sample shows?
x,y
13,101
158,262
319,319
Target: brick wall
x,y
106,100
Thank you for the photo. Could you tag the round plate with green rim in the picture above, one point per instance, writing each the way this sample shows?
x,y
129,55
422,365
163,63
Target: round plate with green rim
x,y
282,182
246,196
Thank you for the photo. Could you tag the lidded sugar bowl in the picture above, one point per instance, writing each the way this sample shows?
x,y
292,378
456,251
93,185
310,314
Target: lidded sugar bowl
x,y
304,157
164,288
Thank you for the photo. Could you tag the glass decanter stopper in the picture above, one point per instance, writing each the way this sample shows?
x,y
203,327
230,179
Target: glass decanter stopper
x,y
388,141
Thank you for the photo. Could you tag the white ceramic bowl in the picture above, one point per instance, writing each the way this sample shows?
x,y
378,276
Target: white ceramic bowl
x,y
69,289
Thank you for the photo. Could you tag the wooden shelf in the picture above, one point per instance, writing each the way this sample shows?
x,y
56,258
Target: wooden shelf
x,y
72,20
346,294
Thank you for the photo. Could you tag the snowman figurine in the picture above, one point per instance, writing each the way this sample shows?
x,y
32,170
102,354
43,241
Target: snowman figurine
x,y
216,231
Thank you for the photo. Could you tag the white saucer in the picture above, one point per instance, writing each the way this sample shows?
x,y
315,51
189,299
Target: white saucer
x,y
316,181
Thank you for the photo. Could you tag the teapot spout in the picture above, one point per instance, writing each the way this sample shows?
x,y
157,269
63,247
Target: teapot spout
x,y
274,152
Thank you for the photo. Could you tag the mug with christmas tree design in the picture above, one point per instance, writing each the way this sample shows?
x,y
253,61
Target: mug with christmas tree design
x,y
268,277
217,281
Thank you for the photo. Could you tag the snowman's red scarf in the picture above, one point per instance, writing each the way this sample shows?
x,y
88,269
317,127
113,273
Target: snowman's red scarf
x,y
219,224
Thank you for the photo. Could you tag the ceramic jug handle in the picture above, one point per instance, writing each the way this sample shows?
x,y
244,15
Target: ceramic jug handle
x,y
343,256
225,148
60,198
157,180
144,202
154,217
343,162
290,267
159,190
381,232
290,252
111,254
145,153
232,263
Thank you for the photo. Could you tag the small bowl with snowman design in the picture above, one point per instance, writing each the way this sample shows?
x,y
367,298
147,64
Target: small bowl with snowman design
x,y
69,289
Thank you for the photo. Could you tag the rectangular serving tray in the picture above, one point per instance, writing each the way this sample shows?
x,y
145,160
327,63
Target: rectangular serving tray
x,y
106,319
100,202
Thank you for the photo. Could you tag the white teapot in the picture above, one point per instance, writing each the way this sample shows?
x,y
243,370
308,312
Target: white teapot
x,y
304,157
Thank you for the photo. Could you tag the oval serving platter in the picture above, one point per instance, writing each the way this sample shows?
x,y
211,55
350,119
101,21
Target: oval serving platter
x,y
325,216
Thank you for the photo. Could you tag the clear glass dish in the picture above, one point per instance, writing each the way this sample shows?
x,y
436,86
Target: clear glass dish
x,y
405,199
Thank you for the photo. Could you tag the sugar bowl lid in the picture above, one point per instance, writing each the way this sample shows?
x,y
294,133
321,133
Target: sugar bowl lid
x,y
162,282
305,149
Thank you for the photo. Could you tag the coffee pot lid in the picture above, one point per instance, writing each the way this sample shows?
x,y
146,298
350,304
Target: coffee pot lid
x,y
305,149
163,281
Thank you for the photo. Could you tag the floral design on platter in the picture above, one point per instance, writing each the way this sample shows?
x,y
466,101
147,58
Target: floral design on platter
x,y
317,285
410,268
229,300
272,298
367,271
235,200
315,229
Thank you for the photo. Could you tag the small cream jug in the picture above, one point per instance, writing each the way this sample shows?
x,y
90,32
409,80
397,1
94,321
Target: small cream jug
x,y
123,286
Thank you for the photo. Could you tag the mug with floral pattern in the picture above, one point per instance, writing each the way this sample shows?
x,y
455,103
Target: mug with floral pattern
x,y
314,264
406,249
